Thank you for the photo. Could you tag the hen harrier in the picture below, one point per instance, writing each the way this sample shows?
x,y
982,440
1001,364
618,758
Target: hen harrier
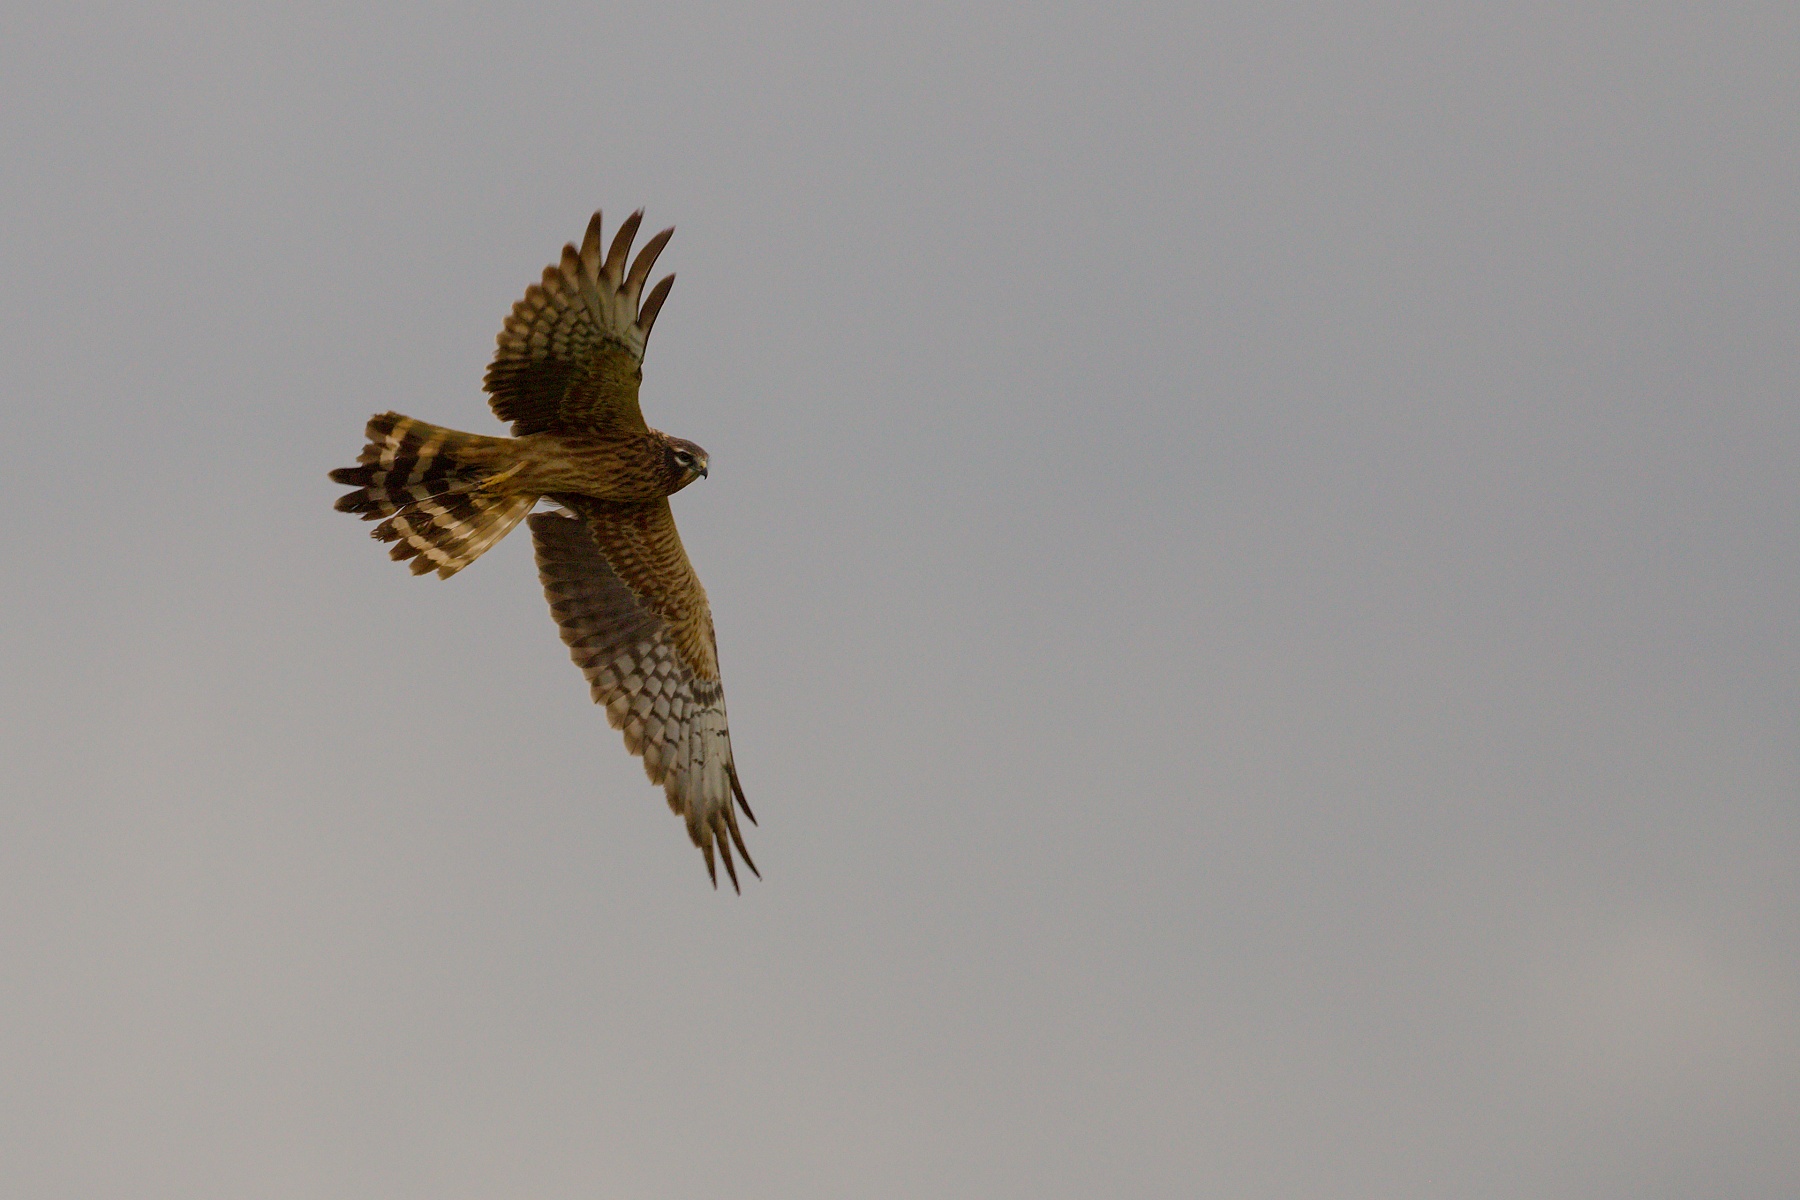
x,y
619,584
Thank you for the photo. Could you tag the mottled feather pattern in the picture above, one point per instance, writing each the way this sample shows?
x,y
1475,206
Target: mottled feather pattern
x,y
644,549
569,354
631,468
669,713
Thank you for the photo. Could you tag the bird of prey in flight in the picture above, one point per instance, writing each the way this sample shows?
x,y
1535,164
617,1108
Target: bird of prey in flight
x,y
627,601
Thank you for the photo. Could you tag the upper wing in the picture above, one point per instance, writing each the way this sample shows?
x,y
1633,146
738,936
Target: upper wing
x,y
571,351
635,619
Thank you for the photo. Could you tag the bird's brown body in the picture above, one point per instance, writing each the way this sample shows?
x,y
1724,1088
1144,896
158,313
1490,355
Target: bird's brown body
x,y
620,586
625,467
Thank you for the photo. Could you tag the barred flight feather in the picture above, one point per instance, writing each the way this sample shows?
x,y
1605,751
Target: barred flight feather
x,y
667,712
568,354
424,483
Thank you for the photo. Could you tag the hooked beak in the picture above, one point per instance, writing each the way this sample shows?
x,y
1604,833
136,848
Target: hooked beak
x,y
702,469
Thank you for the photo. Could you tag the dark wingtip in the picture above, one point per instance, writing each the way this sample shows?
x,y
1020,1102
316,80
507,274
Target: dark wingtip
x,y
620,250
590,242
744,850
737,789
730,867
652,305
646,260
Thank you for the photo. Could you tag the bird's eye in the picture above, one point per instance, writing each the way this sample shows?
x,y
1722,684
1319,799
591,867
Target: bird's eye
x,y
684,458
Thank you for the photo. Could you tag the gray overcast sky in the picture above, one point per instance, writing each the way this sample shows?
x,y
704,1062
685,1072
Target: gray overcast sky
x,y
1255,558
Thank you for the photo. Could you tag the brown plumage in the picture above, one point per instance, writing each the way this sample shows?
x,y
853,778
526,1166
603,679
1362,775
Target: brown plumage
x,y
620,586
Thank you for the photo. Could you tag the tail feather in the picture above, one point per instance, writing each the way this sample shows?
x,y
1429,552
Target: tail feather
x,y
425,484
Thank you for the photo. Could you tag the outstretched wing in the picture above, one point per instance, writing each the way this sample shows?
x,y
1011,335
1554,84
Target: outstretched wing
x,y
571,352
636,622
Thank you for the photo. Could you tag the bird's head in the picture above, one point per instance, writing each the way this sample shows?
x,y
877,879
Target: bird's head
x,y
685,463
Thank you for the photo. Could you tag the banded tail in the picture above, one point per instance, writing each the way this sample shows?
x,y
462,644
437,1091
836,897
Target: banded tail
x,y
425,484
